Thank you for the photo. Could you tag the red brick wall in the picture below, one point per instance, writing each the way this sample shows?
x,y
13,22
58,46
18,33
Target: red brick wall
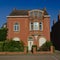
x,y
47,28
24,32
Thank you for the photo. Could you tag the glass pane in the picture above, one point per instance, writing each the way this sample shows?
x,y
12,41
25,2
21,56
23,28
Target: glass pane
x,y
41,26
16,27
31,26
31,14
40,15
36,26
35,13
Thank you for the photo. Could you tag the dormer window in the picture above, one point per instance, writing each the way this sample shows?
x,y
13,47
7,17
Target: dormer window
x,y
31,14
36,14
40,15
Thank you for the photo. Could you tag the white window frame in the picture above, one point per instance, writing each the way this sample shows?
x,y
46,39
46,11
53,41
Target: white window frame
x,y
41,26
36,27
30,26
16,27
16,39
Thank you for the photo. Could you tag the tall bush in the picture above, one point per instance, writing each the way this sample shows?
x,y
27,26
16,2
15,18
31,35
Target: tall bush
x,y
46,46
12,46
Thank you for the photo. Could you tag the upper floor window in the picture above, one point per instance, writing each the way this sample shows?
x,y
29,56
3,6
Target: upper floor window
x,y
36,14
31,14
36,26
31,26
16,27
41,26
40,15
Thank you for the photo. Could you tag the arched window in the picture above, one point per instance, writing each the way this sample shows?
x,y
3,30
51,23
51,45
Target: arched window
x,y
42,40
16,27
41,26
30,38
16,39
31,26
40,15
35,13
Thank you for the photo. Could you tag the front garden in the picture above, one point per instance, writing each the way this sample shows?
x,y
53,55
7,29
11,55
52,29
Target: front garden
x,y
11,46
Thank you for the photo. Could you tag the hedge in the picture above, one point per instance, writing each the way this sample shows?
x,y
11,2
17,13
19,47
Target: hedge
x,y
11,46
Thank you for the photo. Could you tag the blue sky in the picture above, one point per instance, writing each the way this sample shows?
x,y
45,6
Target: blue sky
x,y
6,6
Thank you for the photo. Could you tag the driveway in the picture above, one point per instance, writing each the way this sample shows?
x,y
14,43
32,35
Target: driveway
x,y
55,56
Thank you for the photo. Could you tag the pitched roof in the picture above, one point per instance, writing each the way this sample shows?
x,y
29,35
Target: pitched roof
x,y
23,12
19,12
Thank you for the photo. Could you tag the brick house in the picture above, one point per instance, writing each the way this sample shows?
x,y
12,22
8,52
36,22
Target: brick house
x,y
30,26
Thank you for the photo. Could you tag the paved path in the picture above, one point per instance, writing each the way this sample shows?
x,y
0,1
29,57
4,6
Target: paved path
x,y
55,56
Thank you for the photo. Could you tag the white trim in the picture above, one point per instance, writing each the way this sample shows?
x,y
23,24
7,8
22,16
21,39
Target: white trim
x,y
14,28
17,16
41,25
36,10
46,15
30,43
34,25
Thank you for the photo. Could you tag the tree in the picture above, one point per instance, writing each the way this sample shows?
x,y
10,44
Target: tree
x,y
3,34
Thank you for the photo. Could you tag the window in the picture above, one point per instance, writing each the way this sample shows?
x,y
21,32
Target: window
x,y
31,26
16,39
36,26
30,38
35,13
31,14
16,27
40,14
41,26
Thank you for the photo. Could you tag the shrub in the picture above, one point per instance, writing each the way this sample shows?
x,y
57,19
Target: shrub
x,y
45,46
12,46
1,46
34,46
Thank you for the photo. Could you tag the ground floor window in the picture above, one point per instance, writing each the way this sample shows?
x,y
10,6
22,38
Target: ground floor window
x,y
42,40
16,39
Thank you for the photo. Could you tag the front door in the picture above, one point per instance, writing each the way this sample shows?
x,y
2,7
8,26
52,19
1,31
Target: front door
x,y
30,43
